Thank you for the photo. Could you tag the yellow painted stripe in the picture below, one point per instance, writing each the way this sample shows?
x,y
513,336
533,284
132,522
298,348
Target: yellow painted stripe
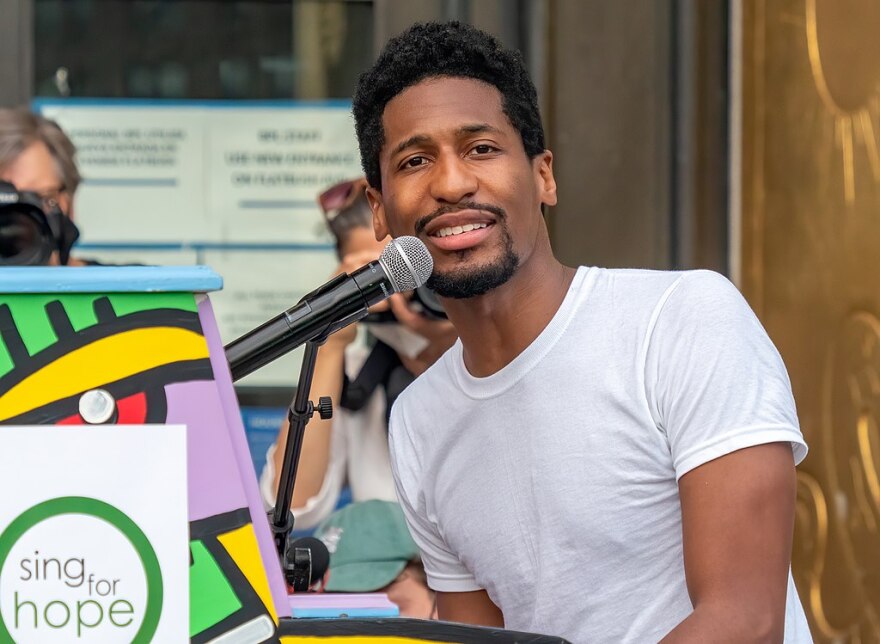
x,y
106,360
241,544
348,639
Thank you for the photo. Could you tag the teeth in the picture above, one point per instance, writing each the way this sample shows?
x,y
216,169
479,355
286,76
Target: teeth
x,y
457,230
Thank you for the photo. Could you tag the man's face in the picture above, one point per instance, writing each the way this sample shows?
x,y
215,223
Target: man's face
x,y
456,175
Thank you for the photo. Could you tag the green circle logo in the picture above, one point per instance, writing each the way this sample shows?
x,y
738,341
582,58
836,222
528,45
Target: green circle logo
x,y
116,518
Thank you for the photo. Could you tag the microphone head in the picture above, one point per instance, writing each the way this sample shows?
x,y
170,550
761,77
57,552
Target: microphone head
x,y
407,262
318,553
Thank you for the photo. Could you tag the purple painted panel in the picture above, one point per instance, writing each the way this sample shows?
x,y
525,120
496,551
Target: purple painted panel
x,y
248,478
341,600
329,605
214,478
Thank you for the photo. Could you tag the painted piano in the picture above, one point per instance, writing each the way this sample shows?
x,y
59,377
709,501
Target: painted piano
x,y
148,337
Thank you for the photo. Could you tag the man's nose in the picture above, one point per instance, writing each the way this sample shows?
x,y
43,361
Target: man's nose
x,y
454,180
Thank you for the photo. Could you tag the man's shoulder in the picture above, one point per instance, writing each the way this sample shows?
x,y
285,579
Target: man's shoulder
x,y
705,291
657,278
645,285
417,416
436,379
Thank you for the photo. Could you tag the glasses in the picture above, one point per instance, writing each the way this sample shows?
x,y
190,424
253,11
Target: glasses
x,y
341,196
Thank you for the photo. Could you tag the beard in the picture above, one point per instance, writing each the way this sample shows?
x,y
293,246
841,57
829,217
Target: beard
x,y
462,283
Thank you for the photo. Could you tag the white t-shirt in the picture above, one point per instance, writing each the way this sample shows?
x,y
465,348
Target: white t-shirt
x,y
552,483
358,454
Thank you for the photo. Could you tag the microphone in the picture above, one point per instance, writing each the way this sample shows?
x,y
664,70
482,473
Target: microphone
x,y
307,560
404,265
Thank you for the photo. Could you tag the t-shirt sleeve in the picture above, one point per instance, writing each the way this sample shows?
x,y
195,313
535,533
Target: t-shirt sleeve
x,y
714,381
443,569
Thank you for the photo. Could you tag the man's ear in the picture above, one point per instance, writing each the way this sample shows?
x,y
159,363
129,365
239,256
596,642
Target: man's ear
x,y
544,179
377,206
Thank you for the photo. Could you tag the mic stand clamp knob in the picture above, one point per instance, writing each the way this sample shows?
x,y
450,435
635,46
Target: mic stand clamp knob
x,y
325,407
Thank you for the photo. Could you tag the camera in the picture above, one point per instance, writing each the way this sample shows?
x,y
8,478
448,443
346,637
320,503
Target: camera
x,y
28,235
426,300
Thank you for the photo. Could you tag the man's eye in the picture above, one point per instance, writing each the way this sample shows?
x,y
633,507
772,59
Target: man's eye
x,y
414,162
483,148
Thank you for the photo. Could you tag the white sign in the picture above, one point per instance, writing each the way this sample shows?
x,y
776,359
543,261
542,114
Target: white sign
x,y
230,184
206,173
94,534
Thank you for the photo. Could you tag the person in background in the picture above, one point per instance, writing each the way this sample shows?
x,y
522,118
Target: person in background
x,y
371,551
362,378
36,156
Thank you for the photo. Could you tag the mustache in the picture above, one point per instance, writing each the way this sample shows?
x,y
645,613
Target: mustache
x,y
423,222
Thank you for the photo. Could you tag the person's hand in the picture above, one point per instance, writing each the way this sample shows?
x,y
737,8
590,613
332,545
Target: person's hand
x,y
440,334
353,261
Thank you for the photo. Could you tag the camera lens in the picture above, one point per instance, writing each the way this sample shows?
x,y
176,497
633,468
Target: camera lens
x,y
22,240
430,304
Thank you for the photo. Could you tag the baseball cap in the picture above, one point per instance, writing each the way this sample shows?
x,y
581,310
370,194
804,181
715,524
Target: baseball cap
x,y
369,546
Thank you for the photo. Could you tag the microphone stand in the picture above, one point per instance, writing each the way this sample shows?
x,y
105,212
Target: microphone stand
x,y
299,414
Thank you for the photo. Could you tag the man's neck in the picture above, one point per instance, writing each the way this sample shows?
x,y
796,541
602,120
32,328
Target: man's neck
x,y
496,327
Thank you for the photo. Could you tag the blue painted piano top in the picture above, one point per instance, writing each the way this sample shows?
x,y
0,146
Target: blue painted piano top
x,y
108,279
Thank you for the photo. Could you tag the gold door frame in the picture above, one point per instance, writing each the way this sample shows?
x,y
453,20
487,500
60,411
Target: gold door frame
x,y
806,253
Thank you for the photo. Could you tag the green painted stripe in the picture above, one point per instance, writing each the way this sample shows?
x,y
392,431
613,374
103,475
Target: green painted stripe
x,y
126,303
29,313
211,597
5,361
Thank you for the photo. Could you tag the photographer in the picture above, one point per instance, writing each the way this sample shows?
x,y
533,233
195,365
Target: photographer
x,y
37,159
362,378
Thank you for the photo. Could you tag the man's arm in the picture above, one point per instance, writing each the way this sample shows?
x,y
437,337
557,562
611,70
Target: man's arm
x,y
469,608
737,526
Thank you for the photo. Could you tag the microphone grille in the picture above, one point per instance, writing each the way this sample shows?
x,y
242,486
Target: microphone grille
x,y
407,262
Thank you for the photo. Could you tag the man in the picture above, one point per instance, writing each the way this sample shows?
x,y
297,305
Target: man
x,y
605,455
37,156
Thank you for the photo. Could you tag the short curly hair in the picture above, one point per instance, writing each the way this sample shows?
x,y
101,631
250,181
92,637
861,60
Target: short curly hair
x,y
450,49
